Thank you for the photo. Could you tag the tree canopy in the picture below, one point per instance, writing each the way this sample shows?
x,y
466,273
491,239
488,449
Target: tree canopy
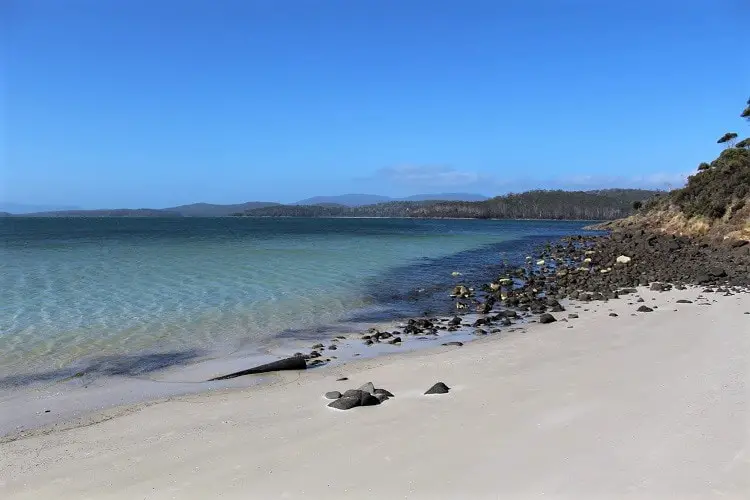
x,y
719,189
727,138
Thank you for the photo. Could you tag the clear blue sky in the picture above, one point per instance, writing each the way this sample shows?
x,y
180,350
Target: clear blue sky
x,y
131,103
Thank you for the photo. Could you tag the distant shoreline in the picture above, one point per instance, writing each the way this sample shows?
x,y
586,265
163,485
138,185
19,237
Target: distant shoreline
x,y
25,216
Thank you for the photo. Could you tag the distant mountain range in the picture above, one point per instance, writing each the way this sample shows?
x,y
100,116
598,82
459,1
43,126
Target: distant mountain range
x,y
358,200
216,210
23,208
539,204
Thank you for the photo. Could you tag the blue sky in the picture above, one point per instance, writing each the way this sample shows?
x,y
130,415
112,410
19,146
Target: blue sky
x,y
154,103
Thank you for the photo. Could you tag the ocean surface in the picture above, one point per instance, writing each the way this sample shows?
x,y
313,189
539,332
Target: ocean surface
x,y
75,291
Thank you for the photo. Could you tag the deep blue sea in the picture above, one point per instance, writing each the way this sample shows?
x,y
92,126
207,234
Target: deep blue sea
x,y
74,289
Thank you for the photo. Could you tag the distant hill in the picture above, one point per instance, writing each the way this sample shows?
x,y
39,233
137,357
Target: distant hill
x,y
445,197
194,210
24,208
358,200
116,212
347,200
214,210
539,204
595,205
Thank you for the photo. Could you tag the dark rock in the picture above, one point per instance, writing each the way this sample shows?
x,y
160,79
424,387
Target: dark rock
x,y
614,315
369,400
333,395
363,398
368,387
546,318
458,344
293,363
644,309
346,403
455,321
381,397
438,388
684,301
342,379
573,315
332,347
384,392
395,340
717,273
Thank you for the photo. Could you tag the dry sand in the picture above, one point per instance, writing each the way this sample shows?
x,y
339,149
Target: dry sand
x,y
647,406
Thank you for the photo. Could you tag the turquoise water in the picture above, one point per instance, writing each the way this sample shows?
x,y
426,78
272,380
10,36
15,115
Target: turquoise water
x,y
73,289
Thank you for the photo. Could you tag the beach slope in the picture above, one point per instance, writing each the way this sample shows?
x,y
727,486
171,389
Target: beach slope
x,y
641,405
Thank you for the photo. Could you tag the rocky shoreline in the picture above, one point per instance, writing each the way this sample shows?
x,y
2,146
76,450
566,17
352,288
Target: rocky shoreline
x,y
575,269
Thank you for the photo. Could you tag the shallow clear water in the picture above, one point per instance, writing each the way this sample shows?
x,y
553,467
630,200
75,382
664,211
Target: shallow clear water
x,y
73,289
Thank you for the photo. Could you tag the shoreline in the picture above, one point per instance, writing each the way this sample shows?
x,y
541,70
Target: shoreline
x,y
75,401
513,388
41,407
56,401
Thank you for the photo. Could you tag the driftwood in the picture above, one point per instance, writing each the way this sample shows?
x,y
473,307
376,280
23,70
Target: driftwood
x,y
293,363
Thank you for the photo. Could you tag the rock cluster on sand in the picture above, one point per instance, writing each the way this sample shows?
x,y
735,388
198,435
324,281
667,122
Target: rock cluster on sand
x,y
367,395
577,268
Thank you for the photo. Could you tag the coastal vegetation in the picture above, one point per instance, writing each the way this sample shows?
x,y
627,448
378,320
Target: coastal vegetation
x,y
538,204
715,201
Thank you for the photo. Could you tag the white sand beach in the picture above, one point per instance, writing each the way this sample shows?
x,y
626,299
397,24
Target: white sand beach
x,y
651,405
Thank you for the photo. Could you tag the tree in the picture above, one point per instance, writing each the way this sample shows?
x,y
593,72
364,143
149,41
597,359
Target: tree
x,y
746,114
637,205
703,166
744,143
727,139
